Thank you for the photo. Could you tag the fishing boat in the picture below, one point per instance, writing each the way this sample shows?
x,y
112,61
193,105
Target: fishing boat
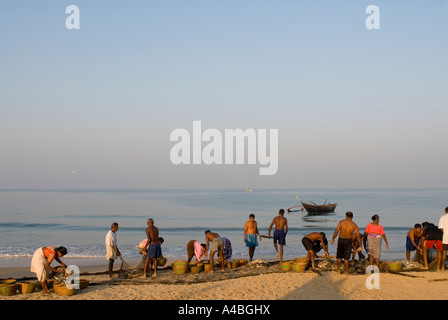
x,y
319,208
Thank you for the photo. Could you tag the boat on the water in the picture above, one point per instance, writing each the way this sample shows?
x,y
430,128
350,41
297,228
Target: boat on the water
x,y
319,208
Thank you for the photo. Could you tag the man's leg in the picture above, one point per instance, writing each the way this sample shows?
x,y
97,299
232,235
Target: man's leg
x,y
425,257
439,259
212,253
444,252
221,259
111,267
346,266
154,263
45,287
312,257
276,248
145,268
251,252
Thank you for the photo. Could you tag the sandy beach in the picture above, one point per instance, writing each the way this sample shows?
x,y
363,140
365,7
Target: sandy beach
x,y
259,280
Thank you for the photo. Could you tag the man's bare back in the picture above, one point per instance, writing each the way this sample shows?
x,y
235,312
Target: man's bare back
x,y
279,222
152,233
346,229
210,236
314,236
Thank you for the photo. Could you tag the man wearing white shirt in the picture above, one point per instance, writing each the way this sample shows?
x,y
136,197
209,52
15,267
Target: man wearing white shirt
x,y
443,225
112,251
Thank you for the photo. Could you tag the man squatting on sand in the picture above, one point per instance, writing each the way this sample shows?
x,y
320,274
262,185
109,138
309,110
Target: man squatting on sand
x,y
312,242
250,235
281,229
432,237
345,230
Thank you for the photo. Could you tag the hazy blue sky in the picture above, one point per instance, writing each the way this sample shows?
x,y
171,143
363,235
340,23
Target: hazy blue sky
x,y
355,108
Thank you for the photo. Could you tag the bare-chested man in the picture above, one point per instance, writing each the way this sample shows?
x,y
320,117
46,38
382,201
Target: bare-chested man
x,y
217,246
345,230
310,242
413,239
250,235
281,229
153,248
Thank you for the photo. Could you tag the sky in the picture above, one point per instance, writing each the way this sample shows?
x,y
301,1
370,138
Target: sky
x,y
94,107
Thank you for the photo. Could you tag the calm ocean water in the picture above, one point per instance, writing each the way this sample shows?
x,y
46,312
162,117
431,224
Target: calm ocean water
x,y
80,219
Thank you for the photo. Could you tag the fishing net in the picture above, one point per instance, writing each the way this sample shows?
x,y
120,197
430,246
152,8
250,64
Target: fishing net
x,y
124,265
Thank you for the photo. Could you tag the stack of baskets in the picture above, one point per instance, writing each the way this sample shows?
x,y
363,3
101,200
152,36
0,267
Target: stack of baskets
x,y
11,287
285,265
298,265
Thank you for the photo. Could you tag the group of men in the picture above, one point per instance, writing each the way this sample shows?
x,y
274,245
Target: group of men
x,y
151,247
313,242
427,236
421,237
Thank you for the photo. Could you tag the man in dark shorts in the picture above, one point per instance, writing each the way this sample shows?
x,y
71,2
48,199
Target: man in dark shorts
x,y
412,240
432,237
153,248
345,230
313,242
281,229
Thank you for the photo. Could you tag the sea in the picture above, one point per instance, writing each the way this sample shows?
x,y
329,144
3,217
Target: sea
x,y
80,219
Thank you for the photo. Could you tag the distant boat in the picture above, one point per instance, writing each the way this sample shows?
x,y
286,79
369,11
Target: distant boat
x,y
249,190
319,209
